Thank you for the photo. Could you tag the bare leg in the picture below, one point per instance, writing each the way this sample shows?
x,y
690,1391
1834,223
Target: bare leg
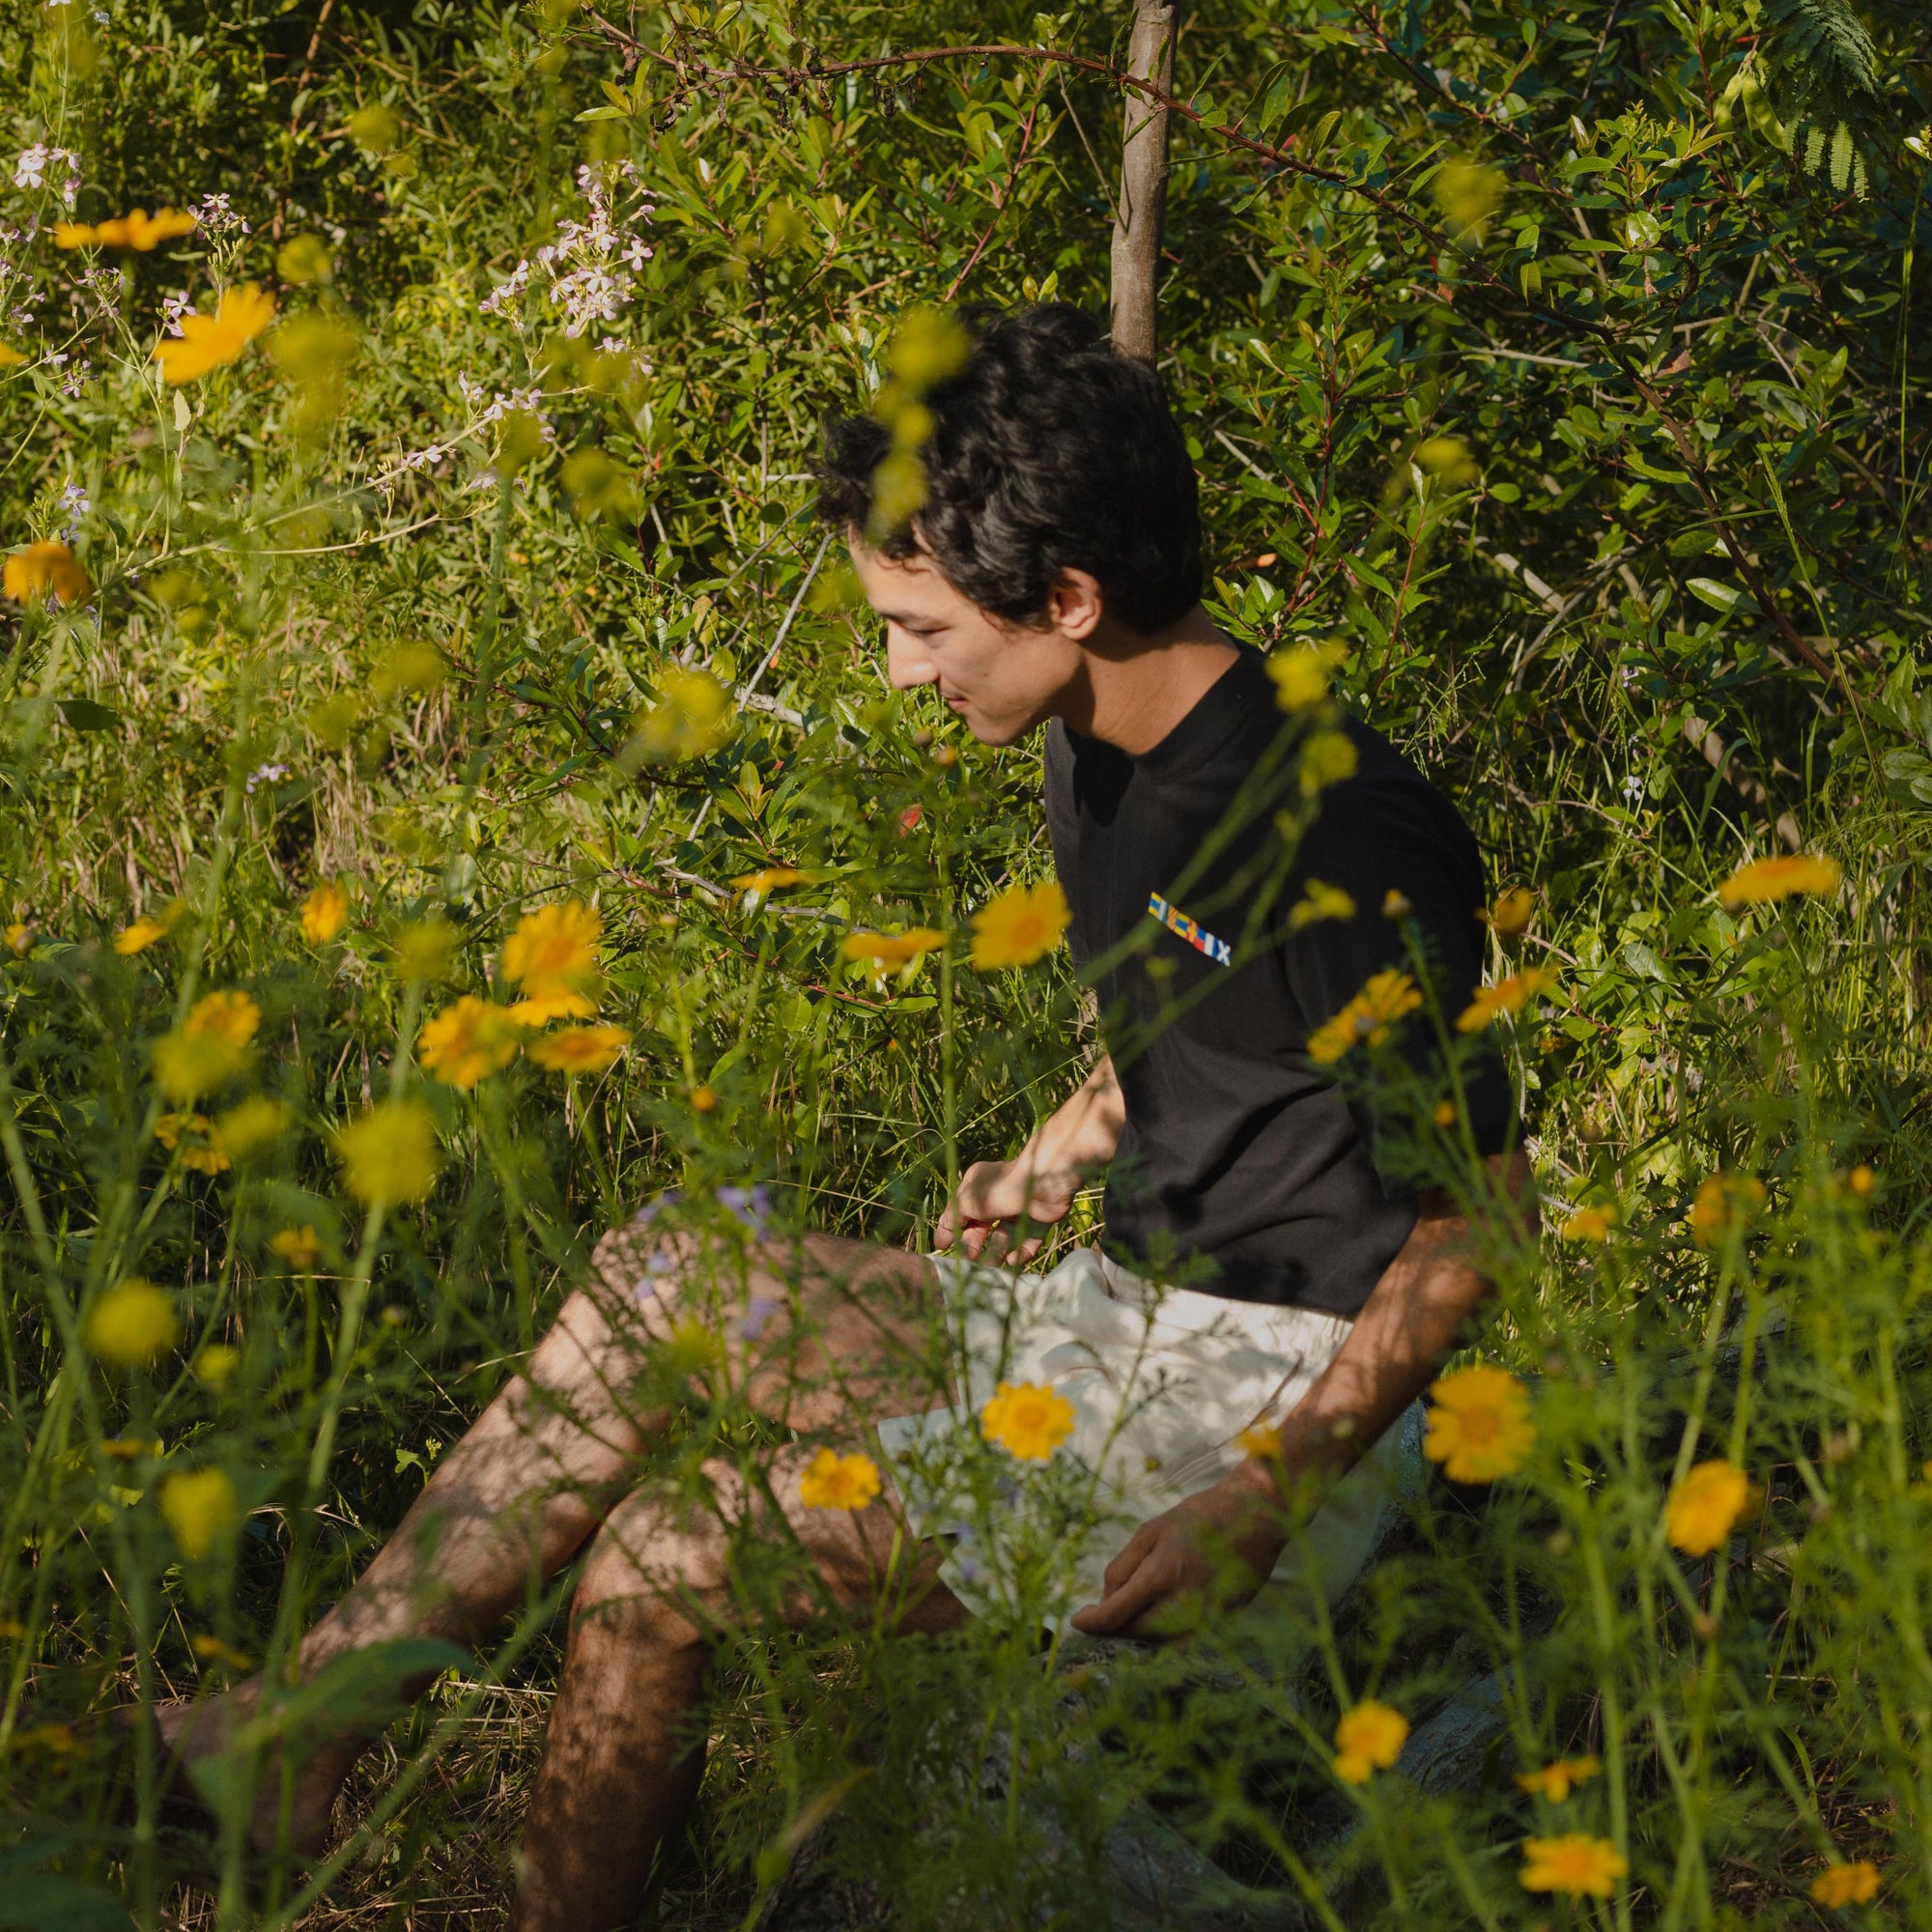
x,y
515,1499
623,1755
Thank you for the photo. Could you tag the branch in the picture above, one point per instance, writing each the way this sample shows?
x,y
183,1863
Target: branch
x,y
1142,202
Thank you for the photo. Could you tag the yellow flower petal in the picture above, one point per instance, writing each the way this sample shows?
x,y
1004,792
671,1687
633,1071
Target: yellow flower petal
x,y
1021,924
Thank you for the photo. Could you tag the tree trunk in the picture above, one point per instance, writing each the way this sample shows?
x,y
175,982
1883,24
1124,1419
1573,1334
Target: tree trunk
x,y
1137,221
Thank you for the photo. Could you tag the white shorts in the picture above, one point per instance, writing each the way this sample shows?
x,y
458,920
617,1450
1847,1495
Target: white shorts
x,y
1163,1382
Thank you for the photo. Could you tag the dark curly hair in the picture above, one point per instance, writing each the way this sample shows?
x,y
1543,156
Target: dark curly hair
x,y
1048,452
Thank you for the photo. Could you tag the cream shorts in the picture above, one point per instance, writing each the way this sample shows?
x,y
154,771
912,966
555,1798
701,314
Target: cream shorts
x,y
1162,1383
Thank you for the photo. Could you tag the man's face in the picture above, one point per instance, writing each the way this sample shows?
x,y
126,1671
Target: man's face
x,y
1001,679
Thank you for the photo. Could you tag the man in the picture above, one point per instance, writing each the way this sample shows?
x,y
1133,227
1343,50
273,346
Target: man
x,y
1052,573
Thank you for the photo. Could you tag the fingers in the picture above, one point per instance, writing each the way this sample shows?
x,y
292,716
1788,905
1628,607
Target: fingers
x,y
1147,1587
1133,1552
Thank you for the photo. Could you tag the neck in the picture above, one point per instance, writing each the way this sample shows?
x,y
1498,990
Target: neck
x,y
1135,687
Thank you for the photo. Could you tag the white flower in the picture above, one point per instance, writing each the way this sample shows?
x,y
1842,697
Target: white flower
x,y
33,165
266,775
216,216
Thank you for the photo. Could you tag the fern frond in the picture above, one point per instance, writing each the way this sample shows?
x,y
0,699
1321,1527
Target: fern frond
x,y
1825,80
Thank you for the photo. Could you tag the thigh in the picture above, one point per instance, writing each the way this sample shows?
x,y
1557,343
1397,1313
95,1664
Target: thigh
x,y
715,1555
810,1329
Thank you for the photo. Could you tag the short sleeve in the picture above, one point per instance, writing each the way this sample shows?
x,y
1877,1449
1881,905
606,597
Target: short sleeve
x,y
1372,838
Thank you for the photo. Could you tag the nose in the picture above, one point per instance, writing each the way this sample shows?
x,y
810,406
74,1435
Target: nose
x,y
907,664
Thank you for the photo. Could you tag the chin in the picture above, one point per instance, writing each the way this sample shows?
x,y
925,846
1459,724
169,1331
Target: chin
x,y
996,731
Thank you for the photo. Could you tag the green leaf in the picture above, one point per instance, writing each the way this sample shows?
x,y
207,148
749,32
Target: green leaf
x,y
39,1903
84,714
1719,596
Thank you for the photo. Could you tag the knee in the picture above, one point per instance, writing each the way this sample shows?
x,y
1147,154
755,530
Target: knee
x,y
643,1583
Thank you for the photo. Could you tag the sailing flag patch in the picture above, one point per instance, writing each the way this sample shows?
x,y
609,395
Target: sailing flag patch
x,y
1183,927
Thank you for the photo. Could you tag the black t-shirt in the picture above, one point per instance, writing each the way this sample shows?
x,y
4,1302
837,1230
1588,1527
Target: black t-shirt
x,y
1237,1148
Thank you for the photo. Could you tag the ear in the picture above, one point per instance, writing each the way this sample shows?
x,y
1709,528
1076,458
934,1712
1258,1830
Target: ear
x,y
1075,604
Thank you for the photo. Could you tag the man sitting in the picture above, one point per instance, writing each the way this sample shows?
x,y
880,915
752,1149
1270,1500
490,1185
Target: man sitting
x,y
1052,576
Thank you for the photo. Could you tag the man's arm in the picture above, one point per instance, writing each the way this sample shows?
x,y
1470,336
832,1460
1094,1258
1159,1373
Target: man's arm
x,y
1412,1318
1039,1183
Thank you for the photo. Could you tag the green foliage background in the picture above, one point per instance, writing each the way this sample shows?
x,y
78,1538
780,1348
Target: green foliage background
x,y
1560,362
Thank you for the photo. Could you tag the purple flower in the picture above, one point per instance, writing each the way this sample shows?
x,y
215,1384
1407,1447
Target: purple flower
x,y
758,1312
751,1206
651,1209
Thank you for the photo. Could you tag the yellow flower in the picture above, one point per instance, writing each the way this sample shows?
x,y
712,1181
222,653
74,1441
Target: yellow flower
x,y
1029,1421
1326,758
1021,924
391,1154
138,937
468,1040
9,356
1764,881
424,949
1575,1864
300,1247
216,1364
1369,1739
1320,901
1449,458
209,1047
1479,1428
691,719
1586,1223
1512,911
1700,1509
208,341
1723,1201
769,880
253,1125
553,956
211,1650
1556,1781
1301,673
20,942
131,1324
202,1155
835,1482
44,570
703,1099
557,1004
56,1740
1468,193
1853,1883
200,1508
884,952
1861,1181
229,1017
1506,996
136,229
1368,1018
324,913
1259,1439
581,1049
1396,905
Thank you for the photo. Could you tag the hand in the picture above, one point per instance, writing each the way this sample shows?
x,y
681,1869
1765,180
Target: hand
x,y
1176,1564
992,1192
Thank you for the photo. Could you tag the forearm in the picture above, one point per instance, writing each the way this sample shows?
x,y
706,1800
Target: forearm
x,y
1080,1135
1415,1315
